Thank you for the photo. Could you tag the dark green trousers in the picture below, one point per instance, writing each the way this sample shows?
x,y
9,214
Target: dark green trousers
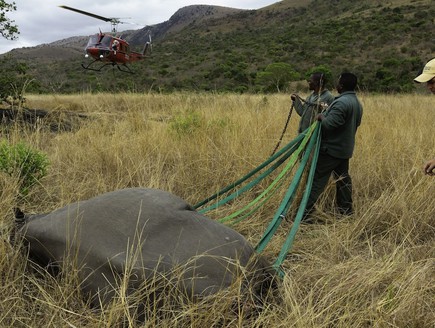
x,y
339,169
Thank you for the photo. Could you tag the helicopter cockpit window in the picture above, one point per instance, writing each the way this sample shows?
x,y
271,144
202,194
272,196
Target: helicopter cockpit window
x,y
93,40
106,40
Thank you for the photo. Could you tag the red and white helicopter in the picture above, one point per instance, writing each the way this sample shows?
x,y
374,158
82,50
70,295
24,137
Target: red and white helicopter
x,y
108,49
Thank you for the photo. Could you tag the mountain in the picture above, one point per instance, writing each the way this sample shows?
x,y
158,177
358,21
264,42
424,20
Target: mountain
x,y
204,47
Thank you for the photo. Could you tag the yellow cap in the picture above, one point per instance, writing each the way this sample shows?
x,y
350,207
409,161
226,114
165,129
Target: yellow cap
x,y
428,72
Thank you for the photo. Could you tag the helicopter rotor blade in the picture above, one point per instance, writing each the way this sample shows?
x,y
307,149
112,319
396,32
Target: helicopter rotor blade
x,y
106,19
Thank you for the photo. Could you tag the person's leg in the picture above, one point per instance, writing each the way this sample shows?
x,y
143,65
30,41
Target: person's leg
x,y
325,166
343,188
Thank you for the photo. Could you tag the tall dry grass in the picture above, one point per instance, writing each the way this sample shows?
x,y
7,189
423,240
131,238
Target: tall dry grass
x,y
373,270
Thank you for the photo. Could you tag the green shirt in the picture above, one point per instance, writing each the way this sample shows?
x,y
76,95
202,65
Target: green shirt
x,y
342,119
309,109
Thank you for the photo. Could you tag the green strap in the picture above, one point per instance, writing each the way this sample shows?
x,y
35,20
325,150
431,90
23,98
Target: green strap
x,y
255,206
283,150
290,165
249,185
308,140
290,238
280,213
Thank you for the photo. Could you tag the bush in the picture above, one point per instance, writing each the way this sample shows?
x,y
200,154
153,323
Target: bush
x,y
27,164
186,124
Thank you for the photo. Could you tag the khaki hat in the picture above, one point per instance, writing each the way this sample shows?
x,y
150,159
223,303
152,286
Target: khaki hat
x,y
428,72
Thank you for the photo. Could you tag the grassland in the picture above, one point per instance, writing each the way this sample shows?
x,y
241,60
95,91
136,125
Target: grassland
x,y
375,269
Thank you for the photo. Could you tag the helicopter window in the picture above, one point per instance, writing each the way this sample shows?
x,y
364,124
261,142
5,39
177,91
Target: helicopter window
x,y
106,40
93,40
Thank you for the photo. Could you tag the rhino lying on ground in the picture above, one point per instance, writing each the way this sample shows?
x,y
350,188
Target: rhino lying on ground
x,y
141,233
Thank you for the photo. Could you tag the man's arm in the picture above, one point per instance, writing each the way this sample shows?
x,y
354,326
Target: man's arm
x,y
297,102
429,167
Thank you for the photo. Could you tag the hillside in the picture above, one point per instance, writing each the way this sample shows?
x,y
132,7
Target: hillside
x,y
205,47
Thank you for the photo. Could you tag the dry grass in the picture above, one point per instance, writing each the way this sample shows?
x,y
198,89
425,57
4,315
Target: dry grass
x,y
374,270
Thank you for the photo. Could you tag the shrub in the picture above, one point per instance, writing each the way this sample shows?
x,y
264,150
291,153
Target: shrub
x,y
27,164
186,123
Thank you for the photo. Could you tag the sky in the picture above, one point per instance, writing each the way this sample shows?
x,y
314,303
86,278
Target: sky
x,y
43,21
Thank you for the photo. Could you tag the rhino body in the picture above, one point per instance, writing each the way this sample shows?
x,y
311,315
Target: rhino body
x,y
139,233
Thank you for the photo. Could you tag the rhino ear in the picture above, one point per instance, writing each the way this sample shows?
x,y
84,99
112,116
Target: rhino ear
x,y
19,214
20,217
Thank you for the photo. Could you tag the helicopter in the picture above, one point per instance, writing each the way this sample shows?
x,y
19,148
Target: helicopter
x,y
107,49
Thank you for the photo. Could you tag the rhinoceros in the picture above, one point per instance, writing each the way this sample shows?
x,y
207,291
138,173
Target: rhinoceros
x,y
141,233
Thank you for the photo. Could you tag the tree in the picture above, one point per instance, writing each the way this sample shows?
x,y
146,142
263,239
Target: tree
x,y
8,79
8,29
276,76
14,81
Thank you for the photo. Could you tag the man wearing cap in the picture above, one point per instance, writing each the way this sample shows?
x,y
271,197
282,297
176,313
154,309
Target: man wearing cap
x,y
428,77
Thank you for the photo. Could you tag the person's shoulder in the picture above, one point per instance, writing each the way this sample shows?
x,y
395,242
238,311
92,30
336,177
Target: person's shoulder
x,y
340,102
346,96
312,95
328,94
349,93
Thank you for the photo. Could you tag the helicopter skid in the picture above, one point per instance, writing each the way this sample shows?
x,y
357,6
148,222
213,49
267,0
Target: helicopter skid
x,y
124,68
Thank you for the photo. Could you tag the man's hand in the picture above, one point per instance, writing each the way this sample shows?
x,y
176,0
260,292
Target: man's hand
x,y
320,117
429,167
323,106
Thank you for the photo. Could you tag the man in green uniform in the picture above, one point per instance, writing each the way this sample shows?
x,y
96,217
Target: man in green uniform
x,y
339,124
319,99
